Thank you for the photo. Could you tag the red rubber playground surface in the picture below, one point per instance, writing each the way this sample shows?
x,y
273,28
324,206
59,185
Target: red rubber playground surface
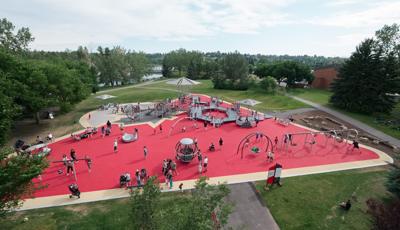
x,y
107,166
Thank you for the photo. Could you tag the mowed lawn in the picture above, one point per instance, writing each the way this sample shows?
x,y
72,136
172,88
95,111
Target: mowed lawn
x,y
269,102
322,97
311,202
111,214
306,202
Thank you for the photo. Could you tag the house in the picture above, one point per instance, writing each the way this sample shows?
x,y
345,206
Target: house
x,y
323,77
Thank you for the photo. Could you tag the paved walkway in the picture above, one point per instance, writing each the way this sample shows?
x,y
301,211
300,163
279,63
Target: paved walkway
x,y
250,211
356,123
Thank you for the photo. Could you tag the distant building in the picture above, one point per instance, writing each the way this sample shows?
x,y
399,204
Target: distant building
x,y
323,77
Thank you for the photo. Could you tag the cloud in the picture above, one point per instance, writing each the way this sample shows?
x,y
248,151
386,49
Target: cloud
x,y
376,14
69,23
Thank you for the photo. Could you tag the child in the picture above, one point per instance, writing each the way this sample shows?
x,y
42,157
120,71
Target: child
x,y
205,163
200,168
115,146
270,156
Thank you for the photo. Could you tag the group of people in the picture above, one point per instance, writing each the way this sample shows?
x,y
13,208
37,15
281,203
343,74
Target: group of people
x,y
140,176
169,168
203,163
69,163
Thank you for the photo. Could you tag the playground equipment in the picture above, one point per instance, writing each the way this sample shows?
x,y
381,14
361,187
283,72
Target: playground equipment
x,y
200,110
260,139
136,112
338,136
128,137
185,150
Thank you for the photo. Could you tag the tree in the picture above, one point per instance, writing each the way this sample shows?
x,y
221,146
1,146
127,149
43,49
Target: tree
x,y
268,84
234,69
145,204
365,80
139,66
15,42
16,174
393,182
388,39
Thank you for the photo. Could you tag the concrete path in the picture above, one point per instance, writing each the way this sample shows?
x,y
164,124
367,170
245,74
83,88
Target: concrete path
x,y
356,123
250,211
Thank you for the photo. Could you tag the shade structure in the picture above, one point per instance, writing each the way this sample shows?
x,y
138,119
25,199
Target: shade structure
x,y
183,84
249,102
183,81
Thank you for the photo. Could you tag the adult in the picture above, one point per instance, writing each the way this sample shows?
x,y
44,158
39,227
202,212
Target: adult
x,y
39,140
65,159
205,163
173,167
160,128
109,124
200,168
205,125
72,153
212,147
170,179
70,166
355,145
138,180
50,137
346,205
199,157
221,142
276,142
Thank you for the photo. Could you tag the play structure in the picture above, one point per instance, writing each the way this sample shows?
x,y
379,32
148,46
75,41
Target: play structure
x,y
337,136
129,137
254,143
205,109
185,150
137,112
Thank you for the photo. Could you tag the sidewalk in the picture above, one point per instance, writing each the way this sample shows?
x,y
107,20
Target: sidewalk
x,y
356,123
250,212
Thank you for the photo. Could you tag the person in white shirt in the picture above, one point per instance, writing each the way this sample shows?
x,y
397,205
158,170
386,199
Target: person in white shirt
x,y
205,163
115,146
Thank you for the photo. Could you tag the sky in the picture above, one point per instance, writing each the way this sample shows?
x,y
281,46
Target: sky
x,y
293,27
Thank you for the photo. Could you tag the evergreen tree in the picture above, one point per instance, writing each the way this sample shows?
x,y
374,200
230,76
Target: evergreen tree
x,y
365,80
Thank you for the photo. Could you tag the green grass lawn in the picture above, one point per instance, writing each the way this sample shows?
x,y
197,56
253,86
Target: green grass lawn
x,y
111,214
318,96
310,202
269,102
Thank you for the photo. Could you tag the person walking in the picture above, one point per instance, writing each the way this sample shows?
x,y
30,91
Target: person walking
x,y
173,167
145,152
221,142
205,163
270,156
199,157
109,124
115,146
170,179
160,128
276,142
200,168
138,180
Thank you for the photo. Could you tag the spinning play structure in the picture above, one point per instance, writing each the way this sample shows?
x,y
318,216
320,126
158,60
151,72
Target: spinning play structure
x,y
185,150
241,158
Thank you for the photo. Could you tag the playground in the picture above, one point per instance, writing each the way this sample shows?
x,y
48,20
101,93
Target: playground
x,y
248,136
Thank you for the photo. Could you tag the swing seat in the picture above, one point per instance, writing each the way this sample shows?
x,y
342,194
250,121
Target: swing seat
x,y
255,150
